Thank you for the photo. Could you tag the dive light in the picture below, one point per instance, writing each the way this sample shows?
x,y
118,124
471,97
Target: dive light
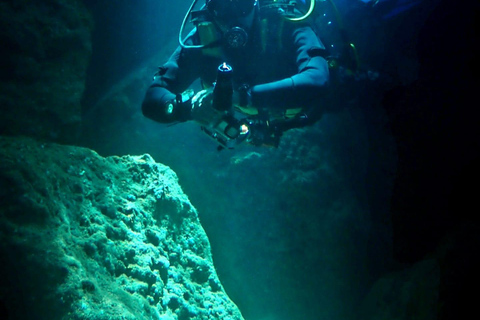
x,y
223,89
224,128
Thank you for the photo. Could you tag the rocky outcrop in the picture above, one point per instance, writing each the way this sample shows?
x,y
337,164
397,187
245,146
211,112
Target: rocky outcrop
x,y
46,47
436,287
411,293
86,237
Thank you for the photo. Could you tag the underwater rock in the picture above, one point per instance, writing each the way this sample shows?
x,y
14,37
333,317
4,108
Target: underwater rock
x,y
439,286
86,237
46,47
411,293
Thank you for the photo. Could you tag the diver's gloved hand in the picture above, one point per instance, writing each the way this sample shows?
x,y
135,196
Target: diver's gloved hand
x,y
177,109
260,132
202,107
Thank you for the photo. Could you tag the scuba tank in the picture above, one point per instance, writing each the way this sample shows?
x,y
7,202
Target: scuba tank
x,y
328,23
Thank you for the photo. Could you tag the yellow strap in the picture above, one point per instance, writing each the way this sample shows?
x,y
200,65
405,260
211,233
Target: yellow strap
x,y
290,113
252,111
208,35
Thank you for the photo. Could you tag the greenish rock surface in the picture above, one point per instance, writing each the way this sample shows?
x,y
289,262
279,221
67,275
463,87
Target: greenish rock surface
x,y
86,237
411,293
46,48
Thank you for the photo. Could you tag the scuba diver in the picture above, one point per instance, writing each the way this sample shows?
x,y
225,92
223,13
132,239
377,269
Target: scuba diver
x,y
261,65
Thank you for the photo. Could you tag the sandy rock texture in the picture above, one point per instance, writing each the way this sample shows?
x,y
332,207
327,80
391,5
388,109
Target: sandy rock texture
x,y
86,237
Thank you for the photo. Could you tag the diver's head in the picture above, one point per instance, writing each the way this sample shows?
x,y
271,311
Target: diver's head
x,y
235,19
231,9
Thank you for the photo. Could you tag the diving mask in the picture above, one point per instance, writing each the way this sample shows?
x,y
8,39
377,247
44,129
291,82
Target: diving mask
x,y
230,9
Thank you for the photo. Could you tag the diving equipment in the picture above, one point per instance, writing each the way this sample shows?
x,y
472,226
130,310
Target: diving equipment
x,y
345,53
213,110
259,132
209,18
290,10
236,37
223,89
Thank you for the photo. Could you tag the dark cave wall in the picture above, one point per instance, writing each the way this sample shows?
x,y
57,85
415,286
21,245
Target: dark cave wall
x,y
436,129
437,134
127,34
45,52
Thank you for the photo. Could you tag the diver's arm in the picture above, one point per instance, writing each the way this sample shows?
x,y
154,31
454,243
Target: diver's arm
x,y
303,88
163,101
161,104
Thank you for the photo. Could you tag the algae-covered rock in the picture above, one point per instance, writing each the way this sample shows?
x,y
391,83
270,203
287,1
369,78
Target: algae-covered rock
x,y
86,237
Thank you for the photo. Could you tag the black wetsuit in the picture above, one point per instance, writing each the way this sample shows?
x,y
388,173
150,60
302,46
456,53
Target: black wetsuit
x,y
285,71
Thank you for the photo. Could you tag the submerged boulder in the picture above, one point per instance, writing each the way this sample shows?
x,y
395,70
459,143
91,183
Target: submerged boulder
x,y
86,237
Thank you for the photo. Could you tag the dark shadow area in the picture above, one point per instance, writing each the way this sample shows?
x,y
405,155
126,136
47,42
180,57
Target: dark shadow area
x,y
435,123
126,35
